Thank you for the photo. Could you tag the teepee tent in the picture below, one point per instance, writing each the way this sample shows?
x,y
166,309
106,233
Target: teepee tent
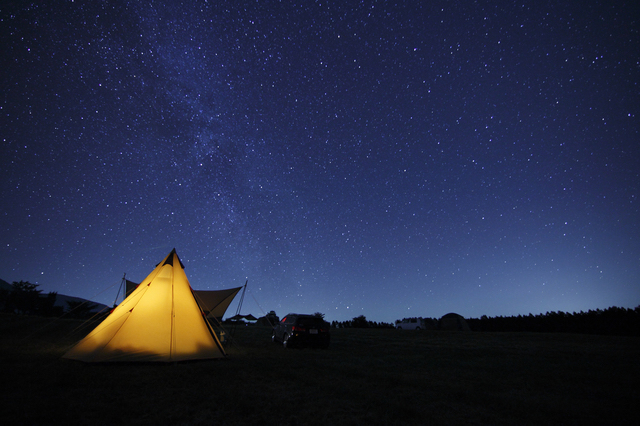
x,y
159,321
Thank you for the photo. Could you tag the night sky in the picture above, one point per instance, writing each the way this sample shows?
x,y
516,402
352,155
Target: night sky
x,y
396,159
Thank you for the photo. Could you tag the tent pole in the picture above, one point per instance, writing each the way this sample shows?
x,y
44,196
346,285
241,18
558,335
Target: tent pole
x,y
122,285
242,298
233,331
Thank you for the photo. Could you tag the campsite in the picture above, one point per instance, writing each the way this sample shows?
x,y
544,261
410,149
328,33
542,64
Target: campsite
x,y
163,357
366,376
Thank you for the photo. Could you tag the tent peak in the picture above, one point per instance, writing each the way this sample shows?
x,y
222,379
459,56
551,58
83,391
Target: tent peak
x,y
169,259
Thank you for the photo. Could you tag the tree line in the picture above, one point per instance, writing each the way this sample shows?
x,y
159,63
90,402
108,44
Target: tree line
x,y
611,321
360,322
25,298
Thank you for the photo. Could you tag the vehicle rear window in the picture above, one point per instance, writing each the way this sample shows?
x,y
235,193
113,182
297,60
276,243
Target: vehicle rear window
x,y
311,322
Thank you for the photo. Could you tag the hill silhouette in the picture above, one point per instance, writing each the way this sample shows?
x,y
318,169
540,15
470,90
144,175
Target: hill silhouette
x,y
62,299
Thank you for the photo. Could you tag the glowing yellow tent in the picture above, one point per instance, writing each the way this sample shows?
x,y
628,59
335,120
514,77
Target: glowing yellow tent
x,y
159,321
213,303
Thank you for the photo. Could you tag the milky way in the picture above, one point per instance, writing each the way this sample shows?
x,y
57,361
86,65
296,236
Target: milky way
x,y
350,158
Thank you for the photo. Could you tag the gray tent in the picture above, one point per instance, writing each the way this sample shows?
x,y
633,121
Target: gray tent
x,y
453,322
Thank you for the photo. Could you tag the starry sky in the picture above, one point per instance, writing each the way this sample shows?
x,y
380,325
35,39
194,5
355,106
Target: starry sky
x,y
386,159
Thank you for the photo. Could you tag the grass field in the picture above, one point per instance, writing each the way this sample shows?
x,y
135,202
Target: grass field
x,y
366,377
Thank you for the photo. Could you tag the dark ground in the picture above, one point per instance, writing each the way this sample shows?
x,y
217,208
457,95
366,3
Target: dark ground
x,y
366,377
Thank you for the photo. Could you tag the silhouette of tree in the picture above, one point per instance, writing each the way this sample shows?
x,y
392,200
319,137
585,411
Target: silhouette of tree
x,y
79,309
23,298
611,321
360,322
47,307
4,295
